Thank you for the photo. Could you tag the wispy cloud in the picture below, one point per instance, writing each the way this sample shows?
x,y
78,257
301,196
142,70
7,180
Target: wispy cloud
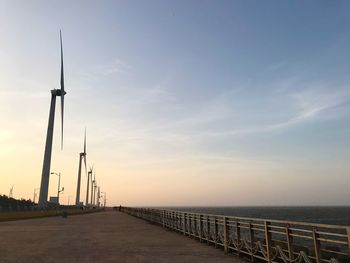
x,y
314,101
116,66
161,92
310,104
217,118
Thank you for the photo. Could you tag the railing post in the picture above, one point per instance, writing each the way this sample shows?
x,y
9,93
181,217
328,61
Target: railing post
x,y
171,219
268,241
168,219
317,245
290,244
177,221
189,225
208,230
216,231
200,228
226,235
238,237
184,223
251,237
163,214
195,225
348,232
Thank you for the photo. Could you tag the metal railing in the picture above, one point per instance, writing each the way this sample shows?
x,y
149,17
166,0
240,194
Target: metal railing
x,y
257,239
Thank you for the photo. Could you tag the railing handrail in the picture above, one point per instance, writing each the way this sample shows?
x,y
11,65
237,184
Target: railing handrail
x,y
320,225
256,237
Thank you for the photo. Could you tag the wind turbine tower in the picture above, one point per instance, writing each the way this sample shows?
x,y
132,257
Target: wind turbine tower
x,y
88,181
11,192
92,189
98,196
81,157
95,188
45,176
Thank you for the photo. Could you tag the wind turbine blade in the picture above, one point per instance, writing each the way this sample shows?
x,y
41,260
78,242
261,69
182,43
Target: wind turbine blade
x,y
62,91
85,165
62,75
62,111
85,142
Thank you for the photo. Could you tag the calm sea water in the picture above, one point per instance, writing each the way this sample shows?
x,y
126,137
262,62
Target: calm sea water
x,y
335,215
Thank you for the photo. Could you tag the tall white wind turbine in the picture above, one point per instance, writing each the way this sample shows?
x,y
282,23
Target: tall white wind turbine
x,y
45,176
88,181
81,157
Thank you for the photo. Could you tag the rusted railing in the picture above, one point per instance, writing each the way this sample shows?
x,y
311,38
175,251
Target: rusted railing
x,y
258,239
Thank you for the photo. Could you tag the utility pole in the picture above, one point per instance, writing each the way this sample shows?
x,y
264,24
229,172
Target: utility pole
x,y
59,185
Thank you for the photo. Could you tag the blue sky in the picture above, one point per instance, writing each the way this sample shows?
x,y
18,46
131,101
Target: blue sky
x,y
206,98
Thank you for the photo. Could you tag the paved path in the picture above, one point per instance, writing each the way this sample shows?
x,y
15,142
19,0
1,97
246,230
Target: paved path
x,y
100,237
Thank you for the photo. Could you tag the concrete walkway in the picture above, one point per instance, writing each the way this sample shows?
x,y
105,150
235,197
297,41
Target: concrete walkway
x,y
100,237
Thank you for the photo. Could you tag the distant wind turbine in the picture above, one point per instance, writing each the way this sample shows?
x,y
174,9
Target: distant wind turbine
x,y
11,192
81,156
88,181
45,176
92,189
95,187
98,196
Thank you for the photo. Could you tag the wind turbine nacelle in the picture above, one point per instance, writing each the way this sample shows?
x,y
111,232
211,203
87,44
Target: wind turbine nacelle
x,y
58,92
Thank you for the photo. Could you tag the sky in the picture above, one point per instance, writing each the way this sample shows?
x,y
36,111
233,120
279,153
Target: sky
x,y
196,103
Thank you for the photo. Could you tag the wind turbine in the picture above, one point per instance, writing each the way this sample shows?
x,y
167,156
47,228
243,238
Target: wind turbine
x,y
81,157
92,188
95,187
88,181
11,192
98,197
45,176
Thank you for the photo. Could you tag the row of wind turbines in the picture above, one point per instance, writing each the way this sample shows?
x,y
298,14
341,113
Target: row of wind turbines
x,y
94,196
93,193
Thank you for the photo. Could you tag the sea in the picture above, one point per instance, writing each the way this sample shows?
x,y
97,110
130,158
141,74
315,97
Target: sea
x,y
333,215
